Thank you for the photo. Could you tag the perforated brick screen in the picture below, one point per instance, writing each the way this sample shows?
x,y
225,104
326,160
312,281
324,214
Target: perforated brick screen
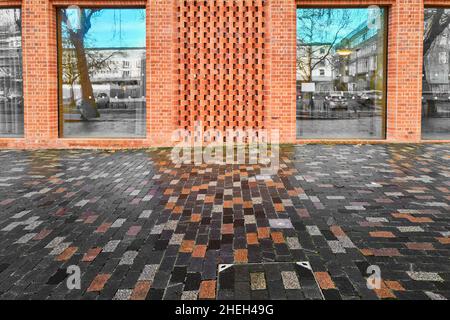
x,y
220,64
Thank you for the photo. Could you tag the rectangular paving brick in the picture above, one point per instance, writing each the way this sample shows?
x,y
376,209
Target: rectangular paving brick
x,y
207,290
98,283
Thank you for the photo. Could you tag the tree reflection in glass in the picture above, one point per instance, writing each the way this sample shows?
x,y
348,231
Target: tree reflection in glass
x,y
102,65
436,75
340,73
11,83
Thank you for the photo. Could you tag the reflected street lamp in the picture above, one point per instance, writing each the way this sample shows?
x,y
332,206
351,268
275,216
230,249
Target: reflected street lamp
x,y
344,52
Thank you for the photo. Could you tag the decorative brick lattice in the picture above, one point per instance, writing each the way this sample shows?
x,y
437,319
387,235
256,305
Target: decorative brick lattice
x,y
220,64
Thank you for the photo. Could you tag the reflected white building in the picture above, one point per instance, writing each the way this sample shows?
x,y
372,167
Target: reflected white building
x,y
120,73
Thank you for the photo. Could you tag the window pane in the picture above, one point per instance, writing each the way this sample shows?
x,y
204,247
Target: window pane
x,y
11,84
436,75
340,73
102,59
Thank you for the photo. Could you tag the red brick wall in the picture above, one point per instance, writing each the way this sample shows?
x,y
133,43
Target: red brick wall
x,y
405,55
255,86
281,58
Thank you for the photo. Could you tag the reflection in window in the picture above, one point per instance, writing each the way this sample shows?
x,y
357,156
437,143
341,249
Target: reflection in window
x,y
340,73
102,65
11,84
436,75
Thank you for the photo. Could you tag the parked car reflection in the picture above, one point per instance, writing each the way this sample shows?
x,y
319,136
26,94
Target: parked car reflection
x,y
335,101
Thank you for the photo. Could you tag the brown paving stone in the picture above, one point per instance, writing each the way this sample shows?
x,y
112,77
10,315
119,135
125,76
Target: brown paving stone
x,y
91,254
227,228
178,210
67,254
241,256
444,240
140,290
90,219
277,237
420,246
382,234
168,192
263,232
199,251
252,238
103,228
247,204
412,218
366,252
98,283
207,290
385,293
324,280
42,234
187,246
237,201
394,285
337,231
386,252
228,204
279,207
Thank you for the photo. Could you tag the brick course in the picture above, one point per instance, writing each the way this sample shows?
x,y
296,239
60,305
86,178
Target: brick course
x,y
227,63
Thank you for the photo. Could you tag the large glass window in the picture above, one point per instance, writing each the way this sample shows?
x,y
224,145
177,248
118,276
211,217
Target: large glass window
x,y
341,73
102,72
11,84
436,75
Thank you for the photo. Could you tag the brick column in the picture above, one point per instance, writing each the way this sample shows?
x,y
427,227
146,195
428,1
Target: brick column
x,y
281,64
160,71
39,72
405,55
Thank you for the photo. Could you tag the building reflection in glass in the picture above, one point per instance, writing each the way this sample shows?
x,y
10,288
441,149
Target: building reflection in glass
x,y
340,73
11,83
436,75
102,70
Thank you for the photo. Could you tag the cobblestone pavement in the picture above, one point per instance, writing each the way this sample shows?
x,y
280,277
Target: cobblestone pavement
x,y
139,227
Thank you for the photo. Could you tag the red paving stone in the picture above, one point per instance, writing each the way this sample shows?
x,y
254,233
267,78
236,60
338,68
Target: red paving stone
x,y
67,254
91,254
227,229
263,233
241,256
187,246
98,283
207,290
140,290
382,234
420,246
324,280
103,228
199,251
252,238
277,237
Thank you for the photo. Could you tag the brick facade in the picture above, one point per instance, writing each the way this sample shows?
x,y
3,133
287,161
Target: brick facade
x,y
227,63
